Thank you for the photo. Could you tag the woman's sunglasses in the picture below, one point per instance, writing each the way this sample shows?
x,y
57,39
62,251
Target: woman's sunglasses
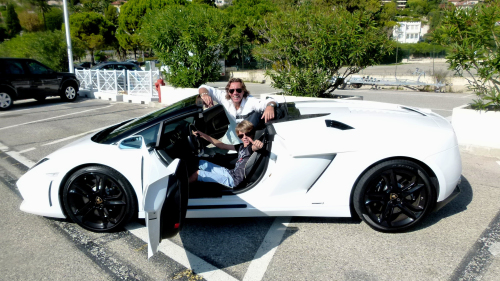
x,y
244,134
239,90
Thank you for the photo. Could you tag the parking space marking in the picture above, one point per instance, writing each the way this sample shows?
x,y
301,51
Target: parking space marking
x,y
74,136
13,126
498,162
182,256
265,253
26,150
25,161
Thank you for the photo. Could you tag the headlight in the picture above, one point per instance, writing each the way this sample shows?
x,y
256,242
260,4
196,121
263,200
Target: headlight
x,y
39,162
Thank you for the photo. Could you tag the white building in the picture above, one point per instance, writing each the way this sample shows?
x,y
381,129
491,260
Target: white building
x,y
408,32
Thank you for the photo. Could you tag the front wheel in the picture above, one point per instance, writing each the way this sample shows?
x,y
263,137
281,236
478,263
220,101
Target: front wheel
x,y
394,196
99,199
69,92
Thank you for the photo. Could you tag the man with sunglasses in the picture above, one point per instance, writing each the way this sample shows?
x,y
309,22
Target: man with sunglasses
x,y
238,102
209,172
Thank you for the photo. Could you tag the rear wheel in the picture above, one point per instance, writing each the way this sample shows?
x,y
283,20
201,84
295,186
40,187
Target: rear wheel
x,y
394,196
5,99
69,92
99,199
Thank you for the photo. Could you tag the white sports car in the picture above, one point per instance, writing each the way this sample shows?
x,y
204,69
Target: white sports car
x,y
388,164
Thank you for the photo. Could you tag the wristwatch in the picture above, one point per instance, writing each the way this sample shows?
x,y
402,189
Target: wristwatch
x,y
272,104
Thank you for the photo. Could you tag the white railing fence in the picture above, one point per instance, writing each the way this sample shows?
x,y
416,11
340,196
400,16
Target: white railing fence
x,y
137,83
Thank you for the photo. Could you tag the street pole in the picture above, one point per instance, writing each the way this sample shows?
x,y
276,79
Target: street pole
x,y
68,37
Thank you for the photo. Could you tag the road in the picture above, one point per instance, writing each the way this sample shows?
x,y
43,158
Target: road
x,y
460,242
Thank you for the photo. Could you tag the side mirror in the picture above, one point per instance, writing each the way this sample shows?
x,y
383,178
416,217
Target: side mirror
x,y
131,143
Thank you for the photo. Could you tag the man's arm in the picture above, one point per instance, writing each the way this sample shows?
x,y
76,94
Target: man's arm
x,y
215,142
269,106
208,94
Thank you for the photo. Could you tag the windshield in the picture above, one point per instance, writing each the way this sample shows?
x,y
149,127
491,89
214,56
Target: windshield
x,y
132,126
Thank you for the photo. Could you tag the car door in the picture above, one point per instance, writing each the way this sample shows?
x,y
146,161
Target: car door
x,y
14,72
215,122
46,81
165,194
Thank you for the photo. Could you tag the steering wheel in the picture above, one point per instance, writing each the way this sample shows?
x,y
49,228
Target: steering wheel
x,y
194,141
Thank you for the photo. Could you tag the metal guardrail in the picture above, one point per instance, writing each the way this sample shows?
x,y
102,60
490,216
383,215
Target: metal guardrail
x,y
138,83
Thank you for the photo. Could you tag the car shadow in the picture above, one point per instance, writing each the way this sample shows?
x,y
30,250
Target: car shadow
x,y
457,205
50,101
228,242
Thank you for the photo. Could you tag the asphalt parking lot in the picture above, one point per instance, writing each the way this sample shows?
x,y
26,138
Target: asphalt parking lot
x,y
460,242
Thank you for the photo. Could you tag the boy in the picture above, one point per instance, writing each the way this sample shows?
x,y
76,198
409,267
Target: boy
x,y
209,172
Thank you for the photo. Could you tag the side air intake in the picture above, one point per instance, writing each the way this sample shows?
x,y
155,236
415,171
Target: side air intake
x,y
337,125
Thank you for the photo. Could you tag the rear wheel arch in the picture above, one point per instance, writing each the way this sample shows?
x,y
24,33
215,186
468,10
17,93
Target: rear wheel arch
x,y
425,167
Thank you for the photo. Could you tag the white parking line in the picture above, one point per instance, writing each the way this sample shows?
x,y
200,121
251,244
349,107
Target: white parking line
x,y
13,126
26,150
265,253
25,161
182,256
498,162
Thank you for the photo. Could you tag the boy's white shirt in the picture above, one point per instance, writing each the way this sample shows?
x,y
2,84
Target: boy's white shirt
x,y
247,105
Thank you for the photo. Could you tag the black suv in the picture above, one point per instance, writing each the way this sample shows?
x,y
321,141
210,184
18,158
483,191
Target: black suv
x,y
27,78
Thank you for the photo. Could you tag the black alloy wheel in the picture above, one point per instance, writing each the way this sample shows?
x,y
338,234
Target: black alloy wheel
x,y
394,196
99,199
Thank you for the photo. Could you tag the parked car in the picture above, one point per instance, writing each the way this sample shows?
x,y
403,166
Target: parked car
x,y
83,65
320,158
28,78
117,66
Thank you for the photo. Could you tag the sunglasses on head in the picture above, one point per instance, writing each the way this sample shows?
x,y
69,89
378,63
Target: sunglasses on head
x,y
244,134
239,90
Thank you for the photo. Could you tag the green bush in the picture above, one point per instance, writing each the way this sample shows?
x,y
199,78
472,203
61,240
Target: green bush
x,y
48,47
474,37
189,39
309,45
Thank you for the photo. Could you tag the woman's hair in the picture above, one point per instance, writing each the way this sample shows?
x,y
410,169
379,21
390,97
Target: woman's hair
x,y
243,87
245,127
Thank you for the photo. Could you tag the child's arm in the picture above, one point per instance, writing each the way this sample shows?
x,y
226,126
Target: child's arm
x,y
215,142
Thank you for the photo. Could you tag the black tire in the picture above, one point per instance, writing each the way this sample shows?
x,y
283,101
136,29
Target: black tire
x,y
6,99
394,196
69,92
99,209
40,98
357,86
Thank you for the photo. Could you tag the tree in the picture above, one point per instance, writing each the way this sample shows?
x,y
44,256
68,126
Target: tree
x,y
92,29
474,38
54,19
307,46
190,40
130,19
43,6
98,6
111,14
244,14
30,22
48,47
12,24
3,34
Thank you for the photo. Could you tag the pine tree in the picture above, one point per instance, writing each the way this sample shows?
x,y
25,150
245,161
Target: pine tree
x,y
12,22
